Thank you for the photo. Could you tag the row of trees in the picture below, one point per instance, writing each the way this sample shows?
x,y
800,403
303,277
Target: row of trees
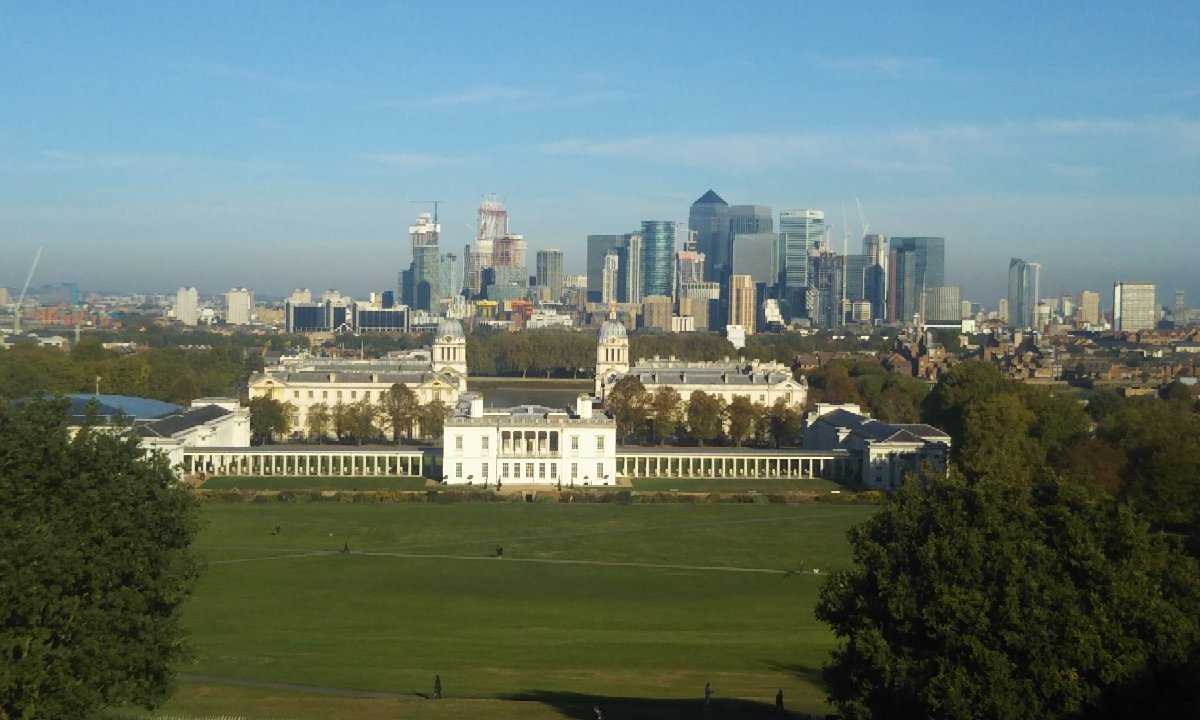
x,y
887,396
703,418
1047,575
396,413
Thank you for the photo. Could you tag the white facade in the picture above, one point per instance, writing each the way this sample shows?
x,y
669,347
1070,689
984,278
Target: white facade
x,y
239,306
187,306
881,454
1134,307
529,445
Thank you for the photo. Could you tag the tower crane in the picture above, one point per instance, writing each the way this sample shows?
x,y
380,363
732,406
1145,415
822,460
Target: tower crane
x,y
25,289
435,204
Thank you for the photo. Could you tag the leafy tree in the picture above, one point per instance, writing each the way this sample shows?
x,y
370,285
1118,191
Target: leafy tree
x,y
966,383
269,417
340,416
705,416
360,420
996,439
783,422
94,540
743,419
433,419
1059,421
667,408
629,404
1161,445
399,407
319,421
1007,598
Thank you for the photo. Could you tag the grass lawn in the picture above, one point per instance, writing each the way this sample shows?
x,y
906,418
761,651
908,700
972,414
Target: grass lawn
x,y
762,485
276,482
628,607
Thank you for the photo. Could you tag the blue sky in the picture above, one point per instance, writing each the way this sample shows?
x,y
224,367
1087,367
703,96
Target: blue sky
x,y
273,145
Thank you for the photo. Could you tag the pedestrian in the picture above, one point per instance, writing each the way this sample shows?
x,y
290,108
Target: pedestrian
x,y
499,551
345,548
707,695
437,687
779,701
596,711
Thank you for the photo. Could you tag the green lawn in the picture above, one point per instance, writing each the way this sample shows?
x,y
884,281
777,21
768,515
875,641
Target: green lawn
x,y
629,607
276,482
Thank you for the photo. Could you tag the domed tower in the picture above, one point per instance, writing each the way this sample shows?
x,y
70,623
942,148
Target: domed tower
x,y
612,355
450,348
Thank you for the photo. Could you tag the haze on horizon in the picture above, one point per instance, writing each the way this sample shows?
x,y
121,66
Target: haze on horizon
x,y
279,145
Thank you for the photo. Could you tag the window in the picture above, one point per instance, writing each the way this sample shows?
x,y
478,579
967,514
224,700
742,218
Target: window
x,y
599,443
339,394
458,470
484,471
324,394
310,394
504,470
458,442
541,471
553,470
517,470
353,394
762,398
485,442
599,471
574,442
295,393
529,470
574,471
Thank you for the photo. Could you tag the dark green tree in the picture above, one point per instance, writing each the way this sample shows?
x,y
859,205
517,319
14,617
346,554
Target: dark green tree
x,y
319,422
94,558
269,417
399,407
1010,599
433,419
743,419
705,416
783,423
629,404
666,408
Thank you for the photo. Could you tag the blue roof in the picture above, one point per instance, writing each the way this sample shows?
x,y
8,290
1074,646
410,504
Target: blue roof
x,y
135,408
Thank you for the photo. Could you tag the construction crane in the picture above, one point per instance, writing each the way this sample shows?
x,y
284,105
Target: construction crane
x,y
25,289
434,203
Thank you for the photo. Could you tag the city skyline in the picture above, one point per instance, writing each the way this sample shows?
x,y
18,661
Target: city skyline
x,y
274,147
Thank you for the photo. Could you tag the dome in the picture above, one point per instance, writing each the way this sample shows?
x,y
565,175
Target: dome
x,y
450,328
612,330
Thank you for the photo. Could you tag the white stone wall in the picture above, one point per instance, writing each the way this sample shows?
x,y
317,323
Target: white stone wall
x,y
526,452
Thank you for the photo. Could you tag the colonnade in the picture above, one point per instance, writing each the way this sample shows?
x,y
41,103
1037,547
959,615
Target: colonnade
x,y
530,442
325,462
718,464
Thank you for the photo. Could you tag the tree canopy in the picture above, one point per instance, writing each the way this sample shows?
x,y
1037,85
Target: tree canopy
x,y
94,558
1012,598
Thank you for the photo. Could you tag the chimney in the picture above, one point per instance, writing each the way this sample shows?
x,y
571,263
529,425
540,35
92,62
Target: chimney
x,y
583,406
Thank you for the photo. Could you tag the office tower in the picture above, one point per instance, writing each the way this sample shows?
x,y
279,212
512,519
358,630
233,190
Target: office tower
x,y
917,263
656,312
597,248
689,266
965,311
875,274
658,254
800,233
743,303
824,294
706,295
1023,280
1002,311
1179,315
425,231
187,306
449,278
629,271
239,304
300,295
942,305
857,278
420,283
608,284
1133,306
1088,311
1066,306
756,255
550,271
58,294
491,225
1042,313
709,219
509,251
750,220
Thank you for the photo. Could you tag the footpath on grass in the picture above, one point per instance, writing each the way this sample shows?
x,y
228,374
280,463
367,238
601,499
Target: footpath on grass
x,y
296,687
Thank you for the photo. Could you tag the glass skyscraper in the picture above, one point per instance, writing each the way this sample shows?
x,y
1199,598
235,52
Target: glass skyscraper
x,y
918,263
800,232
709,218
658,256
1023,280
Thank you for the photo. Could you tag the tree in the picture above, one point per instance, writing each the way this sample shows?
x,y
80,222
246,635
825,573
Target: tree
x,y
399,406
360,420
319,421
667,408
1009,598
94,540
705,416
996,439
433,419
783,422
629,404
269,417
743,419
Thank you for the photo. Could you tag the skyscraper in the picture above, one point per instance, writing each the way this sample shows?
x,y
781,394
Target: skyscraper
x,y
1180,314
756,255
421,282
597,248
629,272
239,303
1024,279
1088,311
658,255
875,274
800,233
187,306
917,263
550,271
492,224
743,305
608,281
1134,306
709,218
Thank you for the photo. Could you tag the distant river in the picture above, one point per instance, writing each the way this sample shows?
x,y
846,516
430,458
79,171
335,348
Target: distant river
x,y
508,392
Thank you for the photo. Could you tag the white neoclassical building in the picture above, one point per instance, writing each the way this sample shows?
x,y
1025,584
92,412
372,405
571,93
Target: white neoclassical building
x,y
880,454
759,382
436,373
529,445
